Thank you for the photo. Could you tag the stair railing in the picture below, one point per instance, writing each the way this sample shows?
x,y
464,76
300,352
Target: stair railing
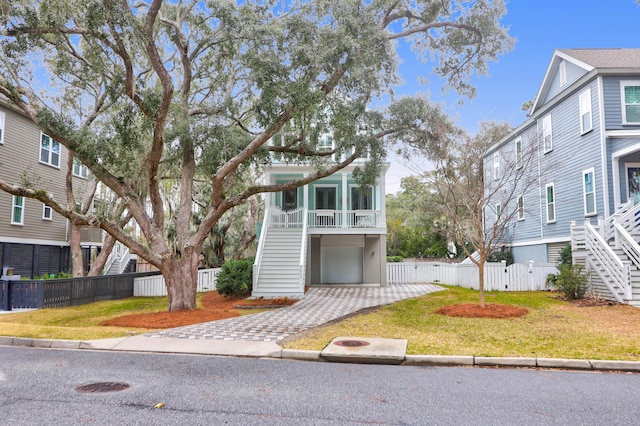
x,y
263,236
601,258
606,225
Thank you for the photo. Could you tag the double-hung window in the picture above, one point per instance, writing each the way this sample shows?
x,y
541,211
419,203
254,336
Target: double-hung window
x,y
521,207
586,124
17,210
547,138
551,202
79,169
1,127
49,151
47,212
518,149
630,93
496,165
589,191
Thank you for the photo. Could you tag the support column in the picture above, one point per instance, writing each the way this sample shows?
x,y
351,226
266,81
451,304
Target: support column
x,y
345,194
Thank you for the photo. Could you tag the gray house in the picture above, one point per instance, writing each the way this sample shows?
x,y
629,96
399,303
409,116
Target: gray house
x,y
33,237
584,127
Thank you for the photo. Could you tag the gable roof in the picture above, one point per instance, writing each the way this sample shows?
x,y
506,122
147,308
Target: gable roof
x,y
593,61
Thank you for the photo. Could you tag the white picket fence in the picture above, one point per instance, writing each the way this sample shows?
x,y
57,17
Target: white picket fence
x,y
497,276
155,286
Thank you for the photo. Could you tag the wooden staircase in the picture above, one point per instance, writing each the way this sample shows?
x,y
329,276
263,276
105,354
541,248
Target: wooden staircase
x,y
610,251
280,266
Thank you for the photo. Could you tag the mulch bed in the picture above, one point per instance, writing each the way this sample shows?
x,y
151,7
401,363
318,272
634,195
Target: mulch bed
x,y
214,307
490,310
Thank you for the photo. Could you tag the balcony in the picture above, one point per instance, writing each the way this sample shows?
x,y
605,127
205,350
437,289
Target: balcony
x,y
345,219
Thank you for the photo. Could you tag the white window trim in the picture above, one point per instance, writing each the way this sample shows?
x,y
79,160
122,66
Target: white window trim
x,y
518,143
2,122
584,191
45,209
498,211
623,84
585,107
13,206
373,195
51,141
546,202
562,72
547,125
496,166
520,206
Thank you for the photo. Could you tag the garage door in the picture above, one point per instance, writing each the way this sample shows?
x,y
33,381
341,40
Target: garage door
x,y
341,265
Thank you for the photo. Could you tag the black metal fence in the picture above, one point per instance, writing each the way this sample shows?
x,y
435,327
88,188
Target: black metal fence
x,y
59,293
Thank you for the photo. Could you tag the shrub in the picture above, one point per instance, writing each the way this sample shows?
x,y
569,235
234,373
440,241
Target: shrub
x,y
499,256
571,281
394,259
566,258
235,278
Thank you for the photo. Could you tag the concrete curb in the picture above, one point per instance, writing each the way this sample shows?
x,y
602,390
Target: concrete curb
x,y
409,360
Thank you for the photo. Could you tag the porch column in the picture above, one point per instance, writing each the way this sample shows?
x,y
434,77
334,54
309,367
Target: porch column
x,y
345,192
382,203
305,193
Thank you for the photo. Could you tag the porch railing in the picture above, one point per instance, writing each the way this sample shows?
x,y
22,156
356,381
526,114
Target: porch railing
x,y
345,218
279,218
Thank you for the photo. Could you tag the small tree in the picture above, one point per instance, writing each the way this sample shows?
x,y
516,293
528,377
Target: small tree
x,y
481,208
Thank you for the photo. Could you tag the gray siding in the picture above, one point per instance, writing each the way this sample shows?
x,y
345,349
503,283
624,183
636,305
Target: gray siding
x,y
613,102
614,145
574,72
19,160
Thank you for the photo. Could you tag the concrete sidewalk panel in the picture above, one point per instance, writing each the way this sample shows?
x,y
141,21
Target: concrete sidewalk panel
x,y
365,350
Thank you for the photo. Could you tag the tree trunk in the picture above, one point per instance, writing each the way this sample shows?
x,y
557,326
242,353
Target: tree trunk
x,y
101,259
77,265
481,281
181,278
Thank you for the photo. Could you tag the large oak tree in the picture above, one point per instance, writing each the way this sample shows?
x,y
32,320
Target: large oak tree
x,y
150,91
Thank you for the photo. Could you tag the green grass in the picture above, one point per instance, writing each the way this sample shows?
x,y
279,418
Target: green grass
x,y
551,329
79,322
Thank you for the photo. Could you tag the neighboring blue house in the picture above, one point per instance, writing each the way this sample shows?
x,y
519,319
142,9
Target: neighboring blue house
x,y
585,128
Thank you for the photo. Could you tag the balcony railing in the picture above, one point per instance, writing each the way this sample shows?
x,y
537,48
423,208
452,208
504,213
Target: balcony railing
x,y
344,219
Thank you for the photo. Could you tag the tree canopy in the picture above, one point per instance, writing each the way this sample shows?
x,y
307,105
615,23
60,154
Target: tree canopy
x,y
198,92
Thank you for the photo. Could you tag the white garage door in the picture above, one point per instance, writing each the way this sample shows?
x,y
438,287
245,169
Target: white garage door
x,y
341,265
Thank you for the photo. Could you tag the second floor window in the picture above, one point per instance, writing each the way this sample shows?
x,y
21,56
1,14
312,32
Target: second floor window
x,y
79,169
496,165
585,112
49,151
47,212
518,144
630,102
521,207
551,203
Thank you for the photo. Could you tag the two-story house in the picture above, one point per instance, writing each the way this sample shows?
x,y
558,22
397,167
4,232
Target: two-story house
x,y
584,127
33,237
329,232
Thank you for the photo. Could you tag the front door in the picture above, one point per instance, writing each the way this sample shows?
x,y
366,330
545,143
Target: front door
x,y
633,183
290,199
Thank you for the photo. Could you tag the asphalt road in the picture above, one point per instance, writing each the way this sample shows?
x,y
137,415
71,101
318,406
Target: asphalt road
x,y
40,387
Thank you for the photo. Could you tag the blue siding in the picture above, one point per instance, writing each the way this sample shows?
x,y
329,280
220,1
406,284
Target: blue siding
x,y
613,102
572,153
574,73
614,145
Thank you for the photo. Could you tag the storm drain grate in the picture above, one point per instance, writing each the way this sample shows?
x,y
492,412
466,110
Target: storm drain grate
x,y
352,343
102,387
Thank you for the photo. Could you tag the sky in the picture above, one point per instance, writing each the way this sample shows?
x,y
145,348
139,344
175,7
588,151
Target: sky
x,y
540,27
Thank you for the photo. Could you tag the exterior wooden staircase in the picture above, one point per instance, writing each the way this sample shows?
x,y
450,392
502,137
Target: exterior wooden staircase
x,y
611,253
280,265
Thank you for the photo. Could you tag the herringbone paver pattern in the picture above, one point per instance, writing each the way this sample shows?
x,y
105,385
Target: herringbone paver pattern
x,y
318,306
